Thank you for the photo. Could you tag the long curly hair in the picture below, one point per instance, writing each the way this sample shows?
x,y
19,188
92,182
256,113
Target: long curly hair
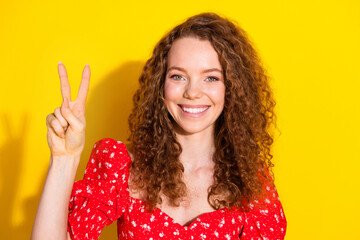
x,y
242,132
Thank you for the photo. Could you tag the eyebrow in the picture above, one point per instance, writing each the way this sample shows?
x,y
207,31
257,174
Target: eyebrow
x,y
204,71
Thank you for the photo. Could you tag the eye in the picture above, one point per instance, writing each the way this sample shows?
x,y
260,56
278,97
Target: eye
x,y
212,79
176,77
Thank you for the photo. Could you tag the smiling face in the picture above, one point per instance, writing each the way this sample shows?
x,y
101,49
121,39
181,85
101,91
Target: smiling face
x,y
194,85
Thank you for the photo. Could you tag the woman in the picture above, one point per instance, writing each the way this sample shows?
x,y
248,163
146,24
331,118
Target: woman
x,y
198,163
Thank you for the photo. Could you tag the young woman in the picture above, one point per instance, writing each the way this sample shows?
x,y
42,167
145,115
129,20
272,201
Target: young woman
x,y
198,164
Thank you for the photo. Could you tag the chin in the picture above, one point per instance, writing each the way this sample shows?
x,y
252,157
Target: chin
x,y
189,130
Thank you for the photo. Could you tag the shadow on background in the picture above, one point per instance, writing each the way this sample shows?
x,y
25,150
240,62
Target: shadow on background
x,y
107,111
11,164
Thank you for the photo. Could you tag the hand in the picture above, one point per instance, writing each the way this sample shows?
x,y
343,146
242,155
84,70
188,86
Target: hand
x,y
66,126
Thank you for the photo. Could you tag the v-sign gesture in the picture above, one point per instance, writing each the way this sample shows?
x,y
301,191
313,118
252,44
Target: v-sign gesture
x,y
66,126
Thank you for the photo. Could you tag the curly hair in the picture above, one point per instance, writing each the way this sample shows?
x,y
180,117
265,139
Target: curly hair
x,y
242,132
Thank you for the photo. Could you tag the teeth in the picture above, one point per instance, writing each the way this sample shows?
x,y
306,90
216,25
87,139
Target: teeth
x,y
194,110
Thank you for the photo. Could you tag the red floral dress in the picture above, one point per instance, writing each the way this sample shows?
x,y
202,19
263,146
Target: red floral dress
x,y
103,197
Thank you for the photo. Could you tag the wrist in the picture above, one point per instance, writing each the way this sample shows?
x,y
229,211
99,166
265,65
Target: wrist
x,y
65,162
62,172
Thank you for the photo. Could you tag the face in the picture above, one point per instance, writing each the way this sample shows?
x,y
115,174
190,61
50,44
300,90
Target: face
x,y
194,85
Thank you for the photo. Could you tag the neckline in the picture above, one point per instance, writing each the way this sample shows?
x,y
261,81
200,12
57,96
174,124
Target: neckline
x,y
161,212
197,219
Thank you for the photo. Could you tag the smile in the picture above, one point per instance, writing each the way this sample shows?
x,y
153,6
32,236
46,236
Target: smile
x,y
194,110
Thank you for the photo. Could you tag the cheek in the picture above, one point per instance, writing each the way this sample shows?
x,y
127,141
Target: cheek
x,y
217,94
167,90
171,98
172,92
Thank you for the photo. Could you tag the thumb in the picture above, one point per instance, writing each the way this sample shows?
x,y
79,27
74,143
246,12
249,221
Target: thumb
x,y
67,113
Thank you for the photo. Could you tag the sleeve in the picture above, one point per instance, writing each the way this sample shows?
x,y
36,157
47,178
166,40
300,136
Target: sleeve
x,y
100,198
266,219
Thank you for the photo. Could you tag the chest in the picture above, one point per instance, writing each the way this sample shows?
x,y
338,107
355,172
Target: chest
x,y
137,223
193,219
193,205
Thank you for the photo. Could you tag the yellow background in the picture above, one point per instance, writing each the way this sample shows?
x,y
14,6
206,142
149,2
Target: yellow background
x,y
310,48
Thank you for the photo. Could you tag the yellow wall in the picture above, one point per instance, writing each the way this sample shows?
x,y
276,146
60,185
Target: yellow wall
x,y
311,49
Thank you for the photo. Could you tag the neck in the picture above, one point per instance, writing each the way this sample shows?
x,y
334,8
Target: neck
x,y
197,149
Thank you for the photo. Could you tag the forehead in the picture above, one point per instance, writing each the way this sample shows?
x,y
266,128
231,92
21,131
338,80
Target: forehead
x,y
193,53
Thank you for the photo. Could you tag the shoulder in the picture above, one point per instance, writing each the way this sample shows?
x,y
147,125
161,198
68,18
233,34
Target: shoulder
x,y
109,157
109,144
265,216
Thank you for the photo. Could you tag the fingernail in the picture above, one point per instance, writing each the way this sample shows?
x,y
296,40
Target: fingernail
x,y
87,64
60,62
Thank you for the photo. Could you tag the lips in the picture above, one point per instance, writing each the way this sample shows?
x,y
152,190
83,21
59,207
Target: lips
x,y
194,109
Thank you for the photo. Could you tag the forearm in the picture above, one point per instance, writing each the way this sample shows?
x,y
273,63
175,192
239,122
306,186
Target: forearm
x,y
52,213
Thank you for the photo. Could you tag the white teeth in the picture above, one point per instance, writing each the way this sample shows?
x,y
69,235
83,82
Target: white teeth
x,y
194,110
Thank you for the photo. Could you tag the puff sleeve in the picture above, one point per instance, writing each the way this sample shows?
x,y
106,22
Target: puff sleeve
x,y
266,219
101,197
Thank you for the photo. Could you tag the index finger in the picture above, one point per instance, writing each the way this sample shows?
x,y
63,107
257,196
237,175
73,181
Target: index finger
x,y
64,82
84,85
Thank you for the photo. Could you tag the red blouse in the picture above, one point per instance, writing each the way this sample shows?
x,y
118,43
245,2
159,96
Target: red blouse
x,y
103,197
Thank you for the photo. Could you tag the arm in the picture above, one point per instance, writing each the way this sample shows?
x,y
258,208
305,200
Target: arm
x,y
66,140
52,213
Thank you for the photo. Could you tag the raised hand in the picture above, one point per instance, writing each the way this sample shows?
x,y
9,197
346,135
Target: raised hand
x,y
66,125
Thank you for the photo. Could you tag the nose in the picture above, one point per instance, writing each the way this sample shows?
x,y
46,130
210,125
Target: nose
x,y
193,90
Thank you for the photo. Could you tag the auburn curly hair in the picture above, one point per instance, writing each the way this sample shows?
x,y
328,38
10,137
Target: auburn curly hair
x,y
242,132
